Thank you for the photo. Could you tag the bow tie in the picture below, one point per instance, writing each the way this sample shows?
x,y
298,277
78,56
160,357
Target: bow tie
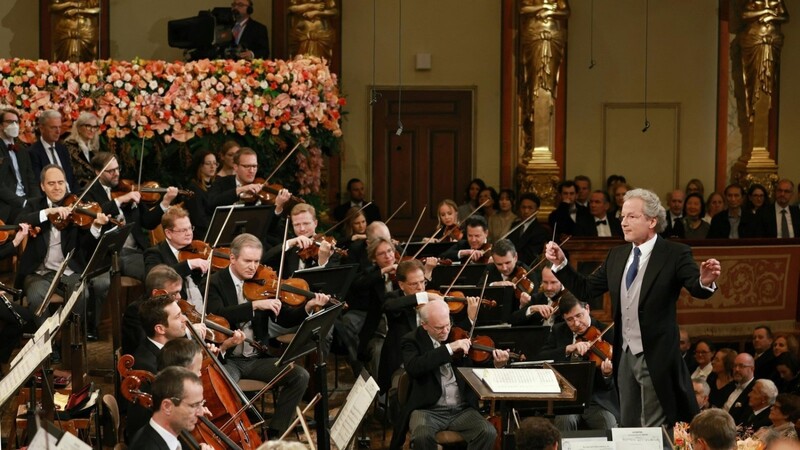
x,y
601,222
11,147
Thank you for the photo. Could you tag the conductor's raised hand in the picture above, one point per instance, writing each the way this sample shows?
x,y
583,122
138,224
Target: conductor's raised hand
x,y
554,254
710,270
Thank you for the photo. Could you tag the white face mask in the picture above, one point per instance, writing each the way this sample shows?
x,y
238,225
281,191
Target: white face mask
x,y
12,130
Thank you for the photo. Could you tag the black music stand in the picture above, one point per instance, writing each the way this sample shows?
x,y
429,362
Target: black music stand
x,y
432,249
526,339
333,281
309,337
444,275
244,219
503,295
111,243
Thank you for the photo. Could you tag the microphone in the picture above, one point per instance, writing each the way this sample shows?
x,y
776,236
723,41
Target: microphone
x,y
399,128
646,126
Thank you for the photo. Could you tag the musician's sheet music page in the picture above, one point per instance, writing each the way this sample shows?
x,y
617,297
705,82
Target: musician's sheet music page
x,y
358,401
533,381
594,443
637,438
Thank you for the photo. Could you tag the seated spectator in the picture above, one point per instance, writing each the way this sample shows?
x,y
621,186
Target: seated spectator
x,y
760,400
783,343
714,204
701,391
784,412
695,186
694,227
757,197
703,352
788,366
720,380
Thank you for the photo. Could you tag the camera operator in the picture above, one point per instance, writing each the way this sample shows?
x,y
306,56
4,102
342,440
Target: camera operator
x,y
249,36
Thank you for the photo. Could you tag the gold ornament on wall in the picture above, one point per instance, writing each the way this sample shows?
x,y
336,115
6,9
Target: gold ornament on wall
x,y
75,30
312,27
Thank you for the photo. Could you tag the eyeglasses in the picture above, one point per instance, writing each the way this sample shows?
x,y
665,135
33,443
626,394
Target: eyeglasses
x,y
196,406
182,230
114,170
11,121
91,127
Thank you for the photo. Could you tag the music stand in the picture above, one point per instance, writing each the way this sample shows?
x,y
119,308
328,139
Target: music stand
x,y
432,249
309,337
244,219
111,242
333,281
444,275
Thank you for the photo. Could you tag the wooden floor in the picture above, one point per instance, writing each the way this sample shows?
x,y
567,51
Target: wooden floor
x,y
101,357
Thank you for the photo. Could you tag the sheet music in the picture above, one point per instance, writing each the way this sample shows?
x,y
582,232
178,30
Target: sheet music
x,y
49,326
20,373
358,401
524,381
595,443
71,302
637,438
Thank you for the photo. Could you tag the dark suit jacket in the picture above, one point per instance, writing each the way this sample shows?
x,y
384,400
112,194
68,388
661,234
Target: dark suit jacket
x,y
371,212
401,319
756,421
740,409
132,330
765,365
604,391
39,159
162,254
145,217
529,244
9,202
673,229
769,223
613,223
519,317
671,267
422,363
583,219
148,439
221,193
145,358
721,226
255,38
72,237
367,293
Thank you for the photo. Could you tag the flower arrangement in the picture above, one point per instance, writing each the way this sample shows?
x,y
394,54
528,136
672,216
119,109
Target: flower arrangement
x,y
267,104
745,438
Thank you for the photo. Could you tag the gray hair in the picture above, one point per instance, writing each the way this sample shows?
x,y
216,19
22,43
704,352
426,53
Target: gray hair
x,y
428,308
703,385
47,115
84,118
652,206
768,389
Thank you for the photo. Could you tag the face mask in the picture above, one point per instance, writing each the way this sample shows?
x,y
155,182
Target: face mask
x,y
12,130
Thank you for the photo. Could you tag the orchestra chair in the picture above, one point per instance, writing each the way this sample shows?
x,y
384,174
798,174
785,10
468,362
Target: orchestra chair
x,y
111,407
445,439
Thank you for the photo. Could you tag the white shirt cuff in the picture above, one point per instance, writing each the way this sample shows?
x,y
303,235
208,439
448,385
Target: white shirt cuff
x,y
560,266
422,298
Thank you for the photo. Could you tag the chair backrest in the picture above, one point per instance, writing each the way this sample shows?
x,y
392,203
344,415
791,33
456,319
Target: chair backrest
x,y
110,404
403,384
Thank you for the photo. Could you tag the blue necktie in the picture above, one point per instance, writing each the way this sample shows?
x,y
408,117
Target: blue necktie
x,y
633,269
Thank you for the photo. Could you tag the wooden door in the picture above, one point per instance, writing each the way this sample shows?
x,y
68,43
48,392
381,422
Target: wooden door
x,y
429,161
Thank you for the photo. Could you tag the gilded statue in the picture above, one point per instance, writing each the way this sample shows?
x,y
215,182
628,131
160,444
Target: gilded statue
x,y
760,41
75,29
313,31
542,41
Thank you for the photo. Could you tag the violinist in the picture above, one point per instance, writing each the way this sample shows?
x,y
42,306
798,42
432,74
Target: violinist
x,y
439,400
43,255
474,245
126,206
529,239
161,278
179,233
226,299
357,253
177,403
564,343
505,267
202,173
540,310
230,189
357,326
447,212
304,225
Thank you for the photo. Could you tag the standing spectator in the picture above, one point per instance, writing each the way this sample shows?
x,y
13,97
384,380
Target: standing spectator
x,y
470,198
18,183
356,190
500,222
47,150
82,144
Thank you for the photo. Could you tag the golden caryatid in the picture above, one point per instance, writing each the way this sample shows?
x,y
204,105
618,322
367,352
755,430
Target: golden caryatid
x,y
313,30
760,41
75,34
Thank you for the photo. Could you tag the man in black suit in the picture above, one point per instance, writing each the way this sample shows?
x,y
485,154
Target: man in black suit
x,y
603,225
735,222
249,36
737,403
645,279
505,268
473,245
765,360
541,308
685,345
159,280
564,343
47,150
177,404
43,255
178,230
674,229
18,182
355,188
569,217
438,400
226,298
781,220
760,400
530,238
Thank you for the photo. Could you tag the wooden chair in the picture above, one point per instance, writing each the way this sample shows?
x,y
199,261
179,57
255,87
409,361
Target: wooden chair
x,y
445,439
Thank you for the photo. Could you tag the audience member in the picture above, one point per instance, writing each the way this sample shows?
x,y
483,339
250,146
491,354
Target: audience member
x,y
530,238
781,219
694,210
782,415
500,222
695,186
82,144
583,186
470,198
603,224
537,433
760,400
714,205
787,366
720,380
713,429
737,402
703,352
674,209
47,150
762,351
735,222
568,217
701,392
757,198
685,345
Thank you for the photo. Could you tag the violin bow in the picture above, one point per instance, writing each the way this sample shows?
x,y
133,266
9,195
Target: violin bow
x,y
597,339
531,217
249,403
275,170
283,257
348,217
395,212
541,261
141,164
449,288
88,186
210,257
483,290
405,247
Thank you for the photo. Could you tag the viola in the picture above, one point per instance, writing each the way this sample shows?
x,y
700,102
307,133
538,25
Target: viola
x,y
267,195
220,257
481,347
130,388
600,349
9,230
264,285
312,251
83,214
151,191
456,301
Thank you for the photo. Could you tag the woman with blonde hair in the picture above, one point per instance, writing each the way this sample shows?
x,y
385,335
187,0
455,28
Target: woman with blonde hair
x,y
82,143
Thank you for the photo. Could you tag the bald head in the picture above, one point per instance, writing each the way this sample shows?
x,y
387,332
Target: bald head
x,y
676,199
743,368
378,229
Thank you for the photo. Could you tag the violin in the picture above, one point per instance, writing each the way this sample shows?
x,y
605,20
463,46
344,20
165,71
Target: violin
x,y
487,253
312,251
220,257
264,285
456,301
600,349
83,214
267,195
481,347
8,230
452,233
218,326
521,282
130,388
151,191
